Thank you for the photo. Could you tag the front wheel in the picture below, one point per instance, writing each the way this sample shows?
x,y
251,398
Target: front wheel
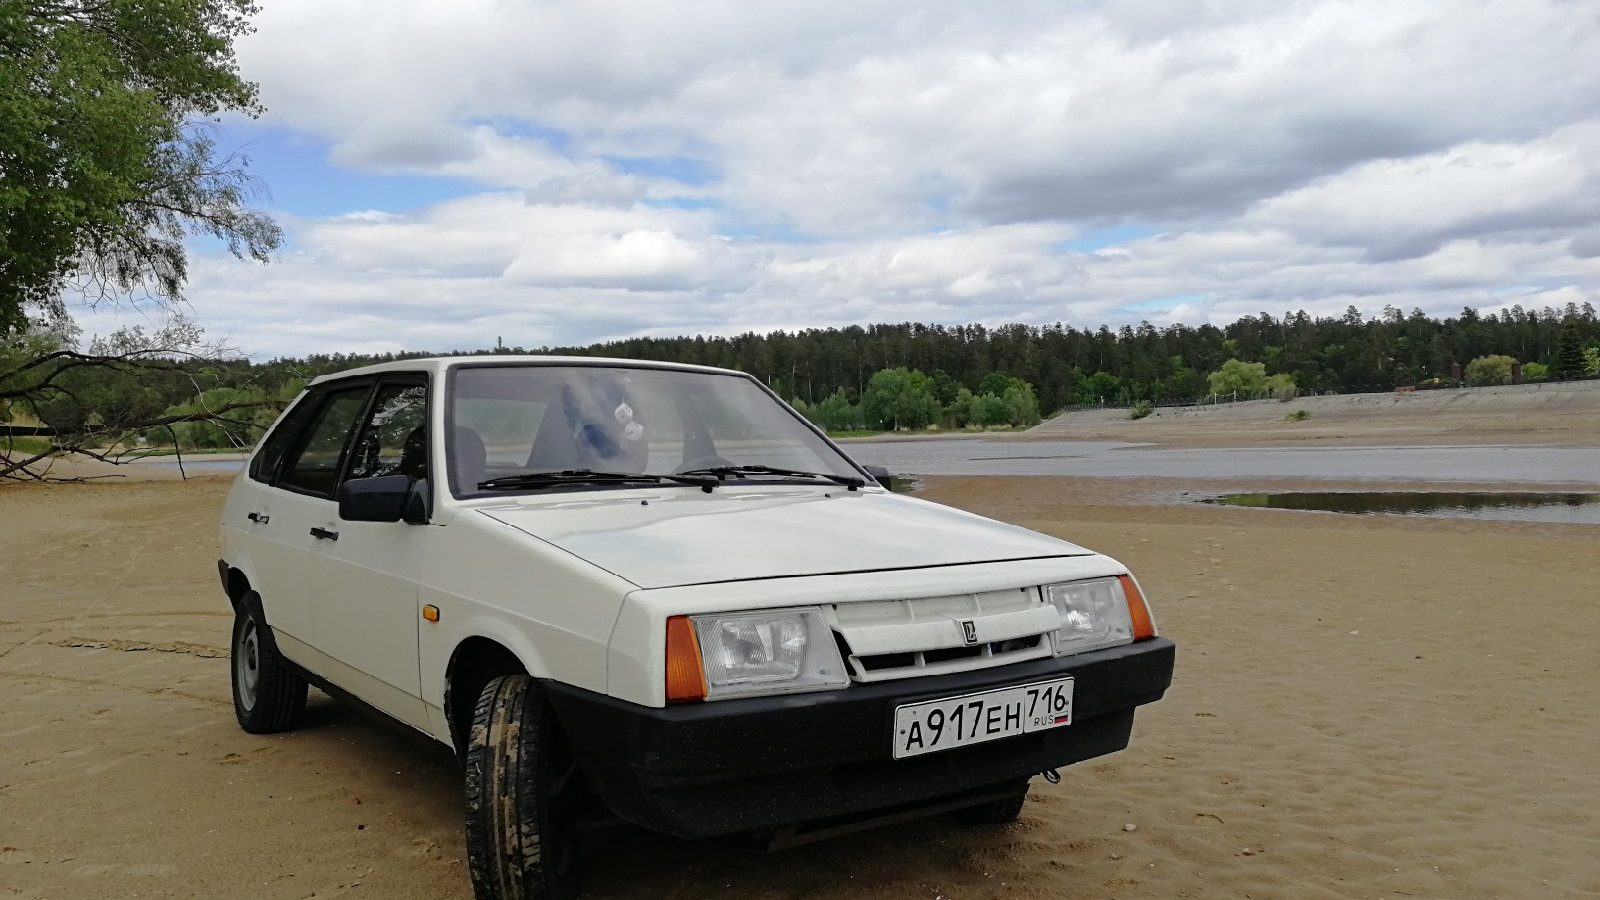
x,y
267,696
522,786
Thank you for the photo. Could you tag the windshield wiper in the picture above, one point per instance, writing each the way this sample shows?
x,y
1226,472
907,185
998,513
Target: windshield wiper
x,y
735,471
532,480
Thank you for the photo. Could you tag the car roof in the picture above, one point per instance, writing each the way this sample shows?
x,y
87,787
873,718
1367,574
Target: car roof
x,y
440,364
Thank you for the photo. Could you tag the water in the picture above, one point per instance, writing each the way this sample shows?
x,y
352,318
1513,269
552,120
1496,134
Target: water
x,y
1511,506
199,463
1489,465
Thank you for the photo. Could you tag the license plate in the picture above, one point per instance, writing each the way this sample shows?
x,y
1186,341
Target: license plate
x,y
986,716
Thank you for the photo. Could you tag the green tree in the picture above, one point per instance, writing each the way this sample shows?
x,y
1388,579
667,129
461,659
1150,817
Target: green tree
x,y
1568,362
1101,387
1591,360
1239,377
1493,369
996,383
900,398
105,164
1022,406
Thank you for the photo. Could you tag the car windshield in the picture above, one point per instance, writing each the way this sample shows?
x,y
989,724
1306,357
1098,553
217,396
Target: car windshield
x,y
565,423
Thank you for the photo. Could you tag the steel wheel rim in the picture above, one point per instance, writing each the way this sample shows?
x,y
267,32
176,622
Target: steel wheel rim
x,y
247,664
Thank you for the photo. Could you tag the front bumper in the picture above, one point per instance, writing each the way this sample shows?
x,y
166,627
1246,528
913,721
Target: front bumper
x,y
753,765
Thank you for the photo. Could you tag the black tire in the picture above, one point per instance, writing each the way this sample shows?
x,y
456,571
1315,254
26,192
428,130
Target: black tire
x,y
1004,811
523,789
267,696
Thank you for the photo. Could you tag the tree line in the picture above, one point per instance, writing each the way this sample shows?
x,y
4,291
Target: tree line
x,y
875,377
1068,366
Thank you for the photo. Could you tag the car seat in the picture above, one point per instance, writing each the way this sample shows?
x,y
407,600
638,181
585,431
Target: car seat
x,y
471,459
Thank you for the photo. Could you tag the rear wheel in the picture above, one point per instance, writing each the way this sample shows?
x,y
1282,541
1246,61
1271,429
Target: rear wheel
x,y
524,793
267,696
1004,811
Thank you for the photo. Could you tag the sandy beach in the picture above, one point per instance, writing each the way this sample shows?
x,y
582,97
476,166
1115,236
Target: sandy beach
x,y
1363,707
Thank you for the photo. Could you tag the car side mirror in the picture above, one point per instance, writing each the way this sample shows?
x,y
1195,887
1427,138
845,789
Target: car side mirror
x,y
386,498
881,476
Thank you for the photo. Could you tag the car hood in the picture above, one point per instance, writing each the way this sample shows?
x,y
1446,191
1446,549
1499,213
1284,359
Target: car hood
x,y
671,538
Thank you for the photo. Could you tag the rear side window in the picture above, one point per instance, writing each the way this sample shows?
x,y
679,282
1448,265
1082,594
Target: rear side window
x,y
313,467
265,464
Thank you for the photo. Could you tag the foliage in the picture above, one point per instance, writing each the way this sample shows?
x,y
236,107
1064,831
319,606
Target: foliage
x,y
976,410
830,368
1141,409
102,169
1591,360
900,398
1535,372
98,403
1239,377
1568,360
1493,369
251,412
1299,415
1070,366
834,413
1007,401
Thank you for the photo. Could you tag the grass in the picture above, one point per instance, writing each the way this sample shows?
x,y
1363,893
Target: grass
x,y
167,450
19,446
1299,415
1141,409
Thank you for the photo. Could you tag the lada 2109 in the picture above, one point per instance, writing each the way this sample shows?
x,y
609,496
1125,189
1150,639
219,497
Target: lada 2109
x,y
654,592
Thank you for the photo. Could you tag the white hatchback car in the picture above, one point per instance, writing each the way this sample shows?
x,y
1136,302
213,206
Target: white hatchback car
x,y
653,592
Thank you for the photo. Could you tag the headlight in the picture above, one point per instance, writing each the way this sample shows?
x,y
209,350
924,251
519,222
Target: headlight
x,y
772,652
1094,614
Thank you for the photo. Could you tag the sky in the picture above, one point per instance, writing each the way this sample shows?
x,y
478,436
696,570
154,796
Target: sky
x,y
452,173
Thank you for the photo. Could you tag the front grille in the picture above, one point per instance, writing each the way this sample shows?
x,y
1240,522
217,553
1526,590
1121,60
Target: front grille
x,y
906,638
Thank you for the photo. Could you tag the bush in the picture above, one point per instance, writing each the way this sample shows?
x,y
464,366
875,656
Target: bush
x,y
1282,387
834,413
1299,415
1141,409
1490,370
900,398
1239,377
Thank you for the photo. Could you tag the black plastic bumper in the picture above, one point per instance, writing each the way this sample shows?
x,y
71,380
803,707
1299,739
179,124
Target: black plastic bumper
x,y
735,766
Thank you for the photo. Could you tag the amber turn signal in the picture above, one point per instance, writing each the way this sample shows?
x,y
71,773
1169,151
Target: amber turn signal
x,y
686,678
1138,610
430,612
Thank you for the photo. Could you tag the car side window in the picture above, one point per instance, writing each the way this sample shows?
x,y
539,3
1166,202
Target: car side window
x,y
394,438
265,464
313,467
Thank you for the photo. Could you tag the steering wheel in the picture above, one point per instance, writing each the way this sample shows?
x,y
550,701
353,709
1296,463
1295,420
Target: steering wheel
x,y
703,462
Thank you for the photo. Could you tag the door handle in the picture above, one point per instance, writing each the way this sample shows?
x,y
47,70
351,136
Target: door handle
x,y
324,534
258,518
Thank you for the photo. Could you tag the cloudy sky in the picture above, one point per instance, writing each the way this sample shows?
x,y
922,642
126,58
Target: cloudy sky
x,y
450,172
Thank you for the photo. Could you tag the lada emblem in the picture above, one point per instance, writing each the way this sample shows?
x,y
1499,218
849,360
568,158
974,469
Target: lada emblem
x,y
969,632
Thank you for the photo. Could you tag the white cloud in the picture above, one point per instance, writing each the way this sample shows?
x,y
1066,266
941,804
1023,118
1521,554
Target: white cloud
x,y
822,163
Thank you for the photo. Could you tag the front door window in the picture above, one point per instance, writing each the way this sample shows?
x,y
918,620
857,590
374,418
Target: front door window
x,y
394,440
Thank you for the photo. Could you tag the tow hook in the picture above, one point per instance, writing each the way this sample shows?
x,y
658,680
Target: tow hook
x,y
1052,776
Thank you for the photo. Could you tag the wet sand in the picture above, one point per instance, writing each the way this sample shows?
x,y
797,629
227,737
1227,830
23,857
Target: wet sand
x,y
1364,707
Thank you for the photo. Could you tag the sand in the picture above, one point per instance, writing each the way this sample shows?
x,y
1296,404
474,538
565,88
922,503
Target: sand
x,y
1562,414
1363,707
